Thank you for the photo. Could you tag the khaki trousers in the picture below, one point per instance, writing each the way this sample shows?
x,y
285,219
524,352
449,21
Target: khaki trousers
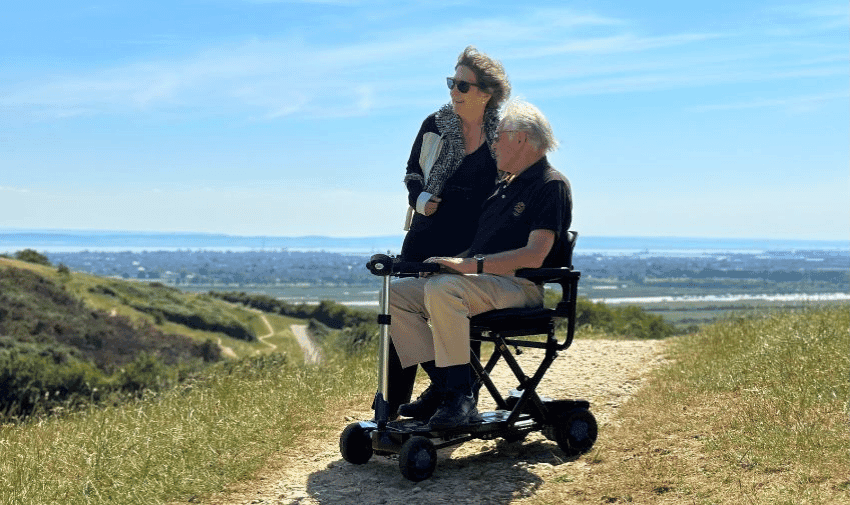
x,y
430,316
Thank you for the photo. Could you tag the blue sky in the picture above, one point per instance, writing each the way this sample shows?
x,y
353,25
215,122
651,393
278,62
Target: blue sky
x,y
703,118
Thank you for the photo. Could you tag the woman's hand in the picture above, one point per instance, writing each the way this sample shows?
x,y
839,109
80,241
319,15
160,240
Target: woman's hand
x,y
431,205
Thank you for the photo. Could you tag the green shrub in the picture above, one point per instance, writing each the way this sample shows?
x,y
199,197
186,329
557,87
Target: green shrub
x,y
195,318
145,372
32,256
357,338
318,330
628,321
331,314
31,383
209,351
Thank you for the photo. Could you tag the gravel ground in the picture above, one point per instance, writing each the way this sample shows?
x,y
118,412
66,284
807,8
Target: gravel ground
x,y
605,372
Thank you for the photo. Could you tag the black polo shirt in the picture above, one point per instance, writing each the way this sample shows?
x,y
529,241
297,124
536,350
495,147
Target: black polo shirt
x,y
537,199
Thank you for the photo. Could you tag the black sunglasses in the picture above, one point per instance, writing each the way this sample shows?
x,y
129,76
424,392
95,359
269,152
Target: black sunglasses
x,y
462,86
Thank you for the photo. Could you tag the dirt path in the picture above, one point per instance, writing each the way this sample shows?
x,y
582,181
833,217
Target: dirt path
x,y
267,335
226,351
606,372
311,352
230,353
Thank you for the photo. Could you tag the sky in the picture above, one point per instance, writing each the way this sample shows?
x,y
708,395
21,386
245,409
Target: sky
x,y
722,118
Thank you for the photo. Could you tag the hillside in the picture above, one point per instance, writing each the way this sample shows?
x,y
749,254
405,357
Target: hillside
x,y
35,310
67,336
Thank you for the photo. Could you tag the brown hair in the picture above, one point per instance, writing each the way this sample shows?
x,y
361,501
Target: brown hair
x,y
490,74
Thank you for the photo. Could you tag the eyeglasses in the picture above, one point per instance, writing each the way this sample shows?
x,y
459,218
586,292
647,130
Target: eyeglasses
x,y
499,134
462,86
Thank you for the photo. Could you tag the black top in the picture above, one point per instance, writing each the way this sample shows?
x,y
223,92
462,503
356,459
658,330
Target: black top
x,y
537,199
449,231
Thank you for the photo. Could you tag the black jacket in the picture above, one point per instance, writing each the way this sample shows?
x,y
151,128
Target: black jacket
x,y
450,229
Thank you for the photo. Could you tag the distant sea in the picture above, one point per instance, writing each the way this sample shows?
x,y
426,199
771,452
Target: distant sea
x,y
46,241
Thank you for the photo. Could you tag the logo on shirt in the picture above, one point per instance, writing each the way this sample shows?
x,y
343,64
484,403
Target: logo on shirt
x,y
518,208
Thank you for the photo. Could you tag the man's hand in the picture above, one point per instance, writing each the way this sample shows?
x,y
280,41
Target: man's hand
x,y
503,263
455,265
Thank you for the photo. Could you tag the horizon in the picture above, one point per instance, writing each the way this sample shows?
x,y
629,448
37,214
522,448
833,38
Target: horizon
x,y
296,117
83,232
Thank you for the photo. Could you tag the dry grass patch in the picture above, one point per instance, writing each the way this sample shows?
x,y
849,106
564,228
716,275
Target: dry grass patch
x,y
752,411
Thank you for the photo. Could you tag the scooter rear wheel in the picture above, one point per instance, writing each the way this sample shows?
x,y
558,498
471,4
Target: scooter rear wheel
x,y
575,432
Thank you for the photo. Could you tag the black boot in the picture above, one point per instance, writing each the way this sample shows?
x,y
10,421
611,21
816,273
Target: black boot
x,y
400,383
459,405
430,399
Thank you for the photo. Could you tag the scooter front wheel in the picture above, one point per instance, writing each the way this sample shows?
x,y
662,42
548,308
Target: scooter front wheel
x,y
417,459
355,444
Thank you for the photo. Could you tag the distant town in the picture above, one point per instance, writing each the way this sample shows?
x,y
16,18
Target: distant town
x,y
801,270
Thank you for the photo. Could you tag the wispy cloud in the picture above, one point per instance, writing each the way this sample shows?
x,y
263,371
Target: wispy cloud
x,y
14,190
552,50
320,2
798,103
616,43
806,17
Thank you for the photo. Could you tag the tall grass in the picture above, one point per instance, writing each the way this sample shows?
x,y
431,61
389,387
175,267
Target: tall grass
x,y
754,410
176,445
786,378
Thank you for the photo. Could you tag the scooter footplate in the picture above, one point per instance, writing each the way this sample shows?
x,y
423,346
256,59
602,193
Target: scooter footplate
x,y
486,422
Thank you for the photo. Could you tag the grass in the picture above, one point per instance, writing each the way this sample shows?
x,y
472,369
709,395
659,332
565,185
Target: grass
x,y
752,411
177,445
700,313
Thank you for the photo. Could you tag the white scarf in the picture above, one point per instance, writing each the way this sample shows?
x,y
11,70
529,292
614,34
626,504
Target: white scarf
x,y
453,151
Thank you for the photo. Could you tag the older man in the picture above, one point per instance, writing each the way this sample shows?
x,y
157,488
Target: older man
x,y
523,225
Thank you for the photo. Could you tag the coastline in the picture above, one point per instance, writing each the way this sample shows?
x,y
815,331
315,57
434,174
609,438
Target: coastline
x,y
764,297
69,241
645,300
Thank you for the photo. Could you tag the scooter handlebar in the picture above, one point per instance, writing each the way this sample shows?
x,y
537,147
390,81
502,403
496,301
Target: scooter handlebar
x,y
382,264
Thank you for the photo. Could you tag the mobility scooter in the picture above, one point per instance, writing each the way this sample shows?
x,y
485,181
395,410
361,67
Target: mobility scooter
x,y
568,422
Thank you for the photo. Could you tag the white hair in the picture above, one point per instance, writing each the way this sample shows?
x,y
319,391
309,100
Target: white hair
x,y
528,118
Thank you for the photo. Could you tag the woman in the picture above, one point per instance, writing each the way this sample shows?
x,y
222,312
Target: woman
x,y
447,199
